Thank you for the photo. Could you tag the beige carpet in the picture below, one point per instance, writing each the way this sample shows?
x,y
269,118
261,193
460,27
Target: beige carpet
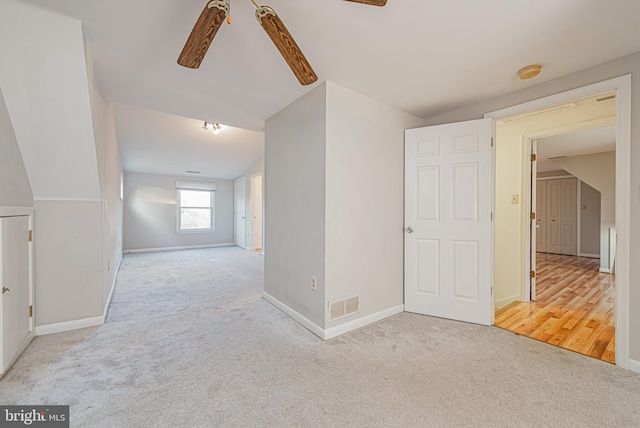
x,y
190,343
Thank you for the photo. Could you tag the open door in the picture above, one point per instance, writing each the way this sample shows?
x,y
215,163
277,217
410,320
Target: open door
x,y
448,221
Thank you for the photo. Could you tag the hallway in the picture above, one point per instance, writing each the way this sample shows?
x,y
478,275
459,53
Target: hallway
x,y
574,307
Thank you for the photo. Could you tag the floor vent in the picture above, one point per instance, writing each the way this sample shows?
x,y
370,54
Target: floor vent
x,y
343,307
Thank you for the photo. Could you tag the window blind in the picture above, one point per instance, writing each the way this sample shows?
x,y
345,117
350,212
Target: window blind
x,y
196,185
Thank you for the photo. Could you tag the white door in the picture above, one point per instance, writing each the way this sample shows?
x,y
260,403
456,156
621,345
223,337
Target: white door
x,y
541,216
554,216
448,230
569,216
240,211
14,260
256,212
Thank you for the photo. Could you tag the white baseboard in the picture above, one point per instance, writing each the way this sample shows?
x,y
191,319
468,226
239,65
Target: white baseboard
x,y
188,247
595,256
499,304
634,365
301,319
113,287
605,270
68,325
338,330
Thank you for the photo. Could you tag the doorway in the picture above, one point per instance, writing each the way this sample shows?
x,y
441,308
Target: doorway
x,y
615,91
240,212
256,213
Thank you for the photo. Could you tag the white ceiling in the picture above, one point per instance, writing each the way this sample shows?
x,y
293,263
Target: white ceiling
x,y
422,56
160,143
586,142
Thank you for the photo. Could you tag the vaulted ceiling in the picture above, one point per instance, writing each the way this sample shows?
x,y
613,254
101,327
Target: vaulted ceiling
x,y
421,56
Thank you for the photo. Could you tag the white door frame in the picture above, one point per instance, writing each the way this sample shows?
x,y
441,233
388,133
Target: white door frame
x,y
622,86
236,185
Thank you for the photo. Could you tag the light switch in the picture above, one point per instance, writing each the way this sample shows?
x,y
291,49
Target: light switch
x,y
514,199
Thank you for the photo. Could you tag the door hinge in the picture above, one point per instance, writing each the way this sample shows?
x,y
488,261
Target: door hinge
x,y
533,157
532,216
31,311
532,274
30,235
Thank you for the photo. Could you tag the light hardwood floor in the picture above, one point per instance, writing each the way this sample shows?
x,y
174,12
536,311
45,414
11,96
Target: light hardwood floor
x,y
574,308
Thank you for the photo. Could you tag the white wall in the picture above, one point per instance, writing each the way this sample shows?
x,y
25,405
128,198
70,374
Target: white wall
x,y
626,65
110,171
44,80
150,213
334,194
589,220
599,171
295,161
66,135
15,190
364,240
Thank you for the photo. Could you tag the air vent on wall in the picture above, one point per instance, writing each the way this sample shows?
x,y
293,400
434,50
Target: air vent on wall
x,y
343,307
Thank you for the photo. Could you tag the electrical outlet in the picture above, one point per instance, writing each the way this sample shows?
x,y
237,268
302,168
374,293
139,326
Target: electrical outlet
x,y
314,283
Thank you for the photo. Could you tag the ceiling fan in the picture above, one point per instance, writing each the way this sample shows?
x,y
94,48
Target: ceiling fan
x,y
214,14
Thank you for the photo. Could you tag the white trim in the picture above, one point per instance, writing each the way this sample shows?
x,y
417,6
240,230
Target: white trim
x,y
68,325
113,287
555,177
15,211
604,270
634,365
506,301
300,319
595,256
186,247
338,330
622,86
67,199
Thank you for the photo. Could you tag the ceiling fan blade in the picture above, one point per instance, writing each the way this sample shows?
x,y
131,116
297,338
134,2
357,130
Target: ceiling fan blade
x,y
203,32
371,2
286,45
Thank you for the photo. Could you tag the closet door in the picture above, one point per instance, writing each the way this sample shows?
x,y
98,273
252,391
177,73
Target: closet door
x,y
541,216
554,216
569,216
14,267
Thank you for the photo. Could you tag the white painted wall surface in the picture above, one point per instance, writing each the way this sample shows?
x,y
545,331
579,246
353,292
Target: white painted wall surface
x,y
150,212
15,190
599,171
626,65
110,170
295,161
68,256
364,201
45,83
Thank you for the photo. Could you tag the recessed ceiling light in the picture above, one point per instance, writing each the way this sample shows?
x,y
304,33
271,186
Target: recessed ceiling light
x,y
529,71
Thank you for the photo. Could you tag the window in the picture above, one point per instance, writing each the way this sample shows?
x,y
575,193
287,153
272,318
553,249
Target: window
x,y
196,206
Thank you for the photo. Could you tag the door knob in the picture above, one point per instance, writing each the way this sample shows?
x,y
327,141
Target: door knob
x,y
409,229
4,290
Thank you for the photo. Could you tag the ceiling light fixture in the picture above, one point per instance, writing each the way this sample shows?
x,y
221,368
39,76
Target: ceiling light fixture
x,y
213,127
529,71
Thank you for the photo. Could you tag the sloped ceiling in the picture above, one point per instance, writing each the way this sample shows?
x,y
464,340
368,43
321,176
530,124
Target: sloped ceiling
x,y
424,57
